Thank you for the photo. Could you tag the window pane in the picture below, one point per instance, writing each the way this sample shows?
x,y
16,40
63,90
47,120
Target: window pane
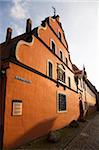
x,y
61,55
69,82
60,37
53,47
50,69
62,102
66,61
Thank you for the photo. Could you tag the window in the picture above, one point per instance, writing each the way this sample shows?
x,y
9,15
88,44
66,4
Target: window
x,y
66,61
61,73
61,102
50,69
69,82
61,55
59,36
53,47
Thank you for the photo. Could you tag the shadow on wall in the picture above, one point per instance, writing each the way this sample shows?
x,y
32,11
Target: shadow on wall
x,y
38,130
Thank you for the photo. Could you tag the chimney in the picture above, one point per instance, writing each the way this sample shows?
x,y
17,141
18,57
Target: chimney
x,y
8,34
28,25
58,18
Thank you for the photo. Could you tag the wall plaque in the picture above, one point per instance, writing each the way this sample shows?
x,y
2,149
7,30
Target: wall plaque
x,y
22,79
16,107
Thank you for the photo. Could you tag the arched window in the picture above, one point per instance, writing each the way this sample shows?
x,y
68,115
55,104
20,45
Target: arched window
x,y
53,46
50,69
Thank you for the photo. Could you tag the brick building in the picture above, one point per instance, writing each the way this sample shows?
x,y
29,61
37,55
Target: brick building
x,y
40,87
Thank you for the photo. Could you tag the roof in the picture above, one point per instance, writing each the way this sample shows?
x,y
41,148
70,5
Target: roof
x,y
91,86
75,68
7,48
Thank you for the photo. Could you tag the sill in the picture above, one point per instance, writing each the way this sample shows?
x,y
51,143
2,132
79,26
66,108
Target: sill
x,y
62,111
61,82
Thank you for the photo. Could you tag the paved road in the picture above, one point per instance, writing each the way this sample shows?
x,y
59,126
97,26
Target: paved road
x,y
88,139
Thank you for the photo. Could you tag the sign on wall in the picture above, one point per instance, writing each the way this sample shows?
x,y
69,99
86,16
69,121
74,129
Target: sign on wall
x,y
16,107
22,79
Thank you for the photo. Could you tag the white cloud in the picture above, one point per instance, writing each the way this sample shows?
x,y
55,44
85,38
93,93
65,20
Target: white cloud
x,y
18,29
19,9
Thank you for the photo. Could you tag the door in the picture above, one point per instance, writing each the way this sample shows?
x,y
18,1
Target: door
x,y
81,110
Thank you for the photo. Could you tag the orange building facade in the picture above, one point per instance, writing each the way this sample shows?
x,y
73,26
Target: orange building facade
x,y
39,92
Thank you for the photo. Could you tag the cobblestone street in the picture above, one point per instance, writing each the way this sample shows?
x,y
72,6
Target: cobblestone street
x,y
88,139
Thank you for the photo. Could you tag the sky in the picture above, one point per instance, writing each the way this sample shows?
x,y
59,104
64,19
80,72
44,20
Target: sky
x,y
80,22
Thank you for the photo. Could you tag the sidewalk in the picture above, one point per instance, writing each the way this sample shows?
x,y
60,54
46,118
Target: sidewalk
x,y
88,139
68,137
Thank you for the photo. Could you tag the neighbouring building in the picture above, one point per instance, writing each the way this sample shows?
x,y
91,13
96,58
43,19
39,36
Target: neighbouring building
x,y
88,92
41,89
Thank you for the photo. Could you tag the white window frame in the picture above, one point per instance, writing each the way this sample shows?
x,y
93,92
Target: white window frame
x,y
48,68
51,40
57,99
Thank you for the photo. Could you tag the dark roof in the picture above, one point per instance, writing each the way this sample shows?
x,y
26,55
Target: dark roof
x,y
6,48
75,68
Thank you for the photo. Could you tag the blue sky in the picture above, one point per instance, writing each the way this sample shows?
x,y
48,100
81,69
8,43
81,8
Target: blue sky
x,y
80,21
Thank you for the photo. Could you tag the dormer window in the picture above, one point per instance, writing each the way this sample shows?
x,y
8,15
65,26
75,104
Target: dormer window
x,y
53,46
61,55
60,36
